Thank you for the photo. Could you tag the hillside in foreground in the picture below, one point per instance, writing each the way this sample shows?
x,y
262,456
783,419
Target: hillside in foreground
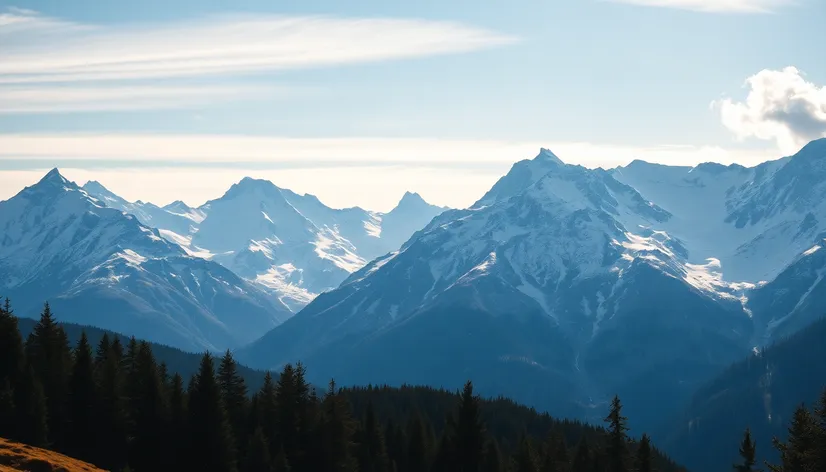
x,y
16,456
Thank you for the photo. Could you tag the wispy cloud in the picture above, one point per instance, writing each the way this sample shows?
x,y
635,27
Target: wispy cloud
x,y
40,49
61,98
51,64
781,105
715,6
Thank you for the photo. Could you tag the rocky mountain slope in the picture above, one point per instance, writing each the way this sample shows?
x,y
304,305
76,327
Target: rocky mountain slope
x,y
102,267
292,245
562,285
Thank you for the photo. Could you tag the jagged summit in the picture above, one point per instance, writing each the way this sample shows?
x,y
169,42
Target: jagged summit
x,y
548,155
54,177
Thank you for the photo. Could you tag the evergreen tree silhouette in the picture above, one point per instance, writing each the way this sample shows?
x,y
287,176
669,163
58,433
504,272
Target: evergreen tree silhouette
x,y
469,439
798,453
234,393
643,457
372,452
747,454
617,438
211,435
48,352
82,426
258,457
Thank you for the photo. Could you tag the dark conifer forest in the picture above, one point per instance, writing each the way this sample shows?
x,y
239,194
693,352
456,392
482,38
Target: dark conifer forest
x,y
118,405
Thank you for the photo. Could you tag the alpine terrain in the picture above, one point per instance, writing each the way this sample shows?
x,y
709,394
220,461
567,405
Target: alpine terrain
x,y
563,286
293,246
100,266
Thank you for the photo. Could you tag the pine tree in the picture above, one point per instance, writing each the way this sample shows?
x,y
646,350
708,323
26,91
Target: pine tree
x,y
111,413
234,393
336,430
525,458
148,410
469,439
797,454
177,442
418,446
372,451
31,410
396,443
266,413
280,463
12,363
617,438
48,352
643,458
747,453
258,457
211,435
820,427
82,404
582,457
493,458
12,355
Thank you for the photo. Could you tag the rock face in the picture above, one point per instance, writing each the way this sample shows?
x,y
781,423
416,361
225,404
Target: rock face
x,y
292,246
100,266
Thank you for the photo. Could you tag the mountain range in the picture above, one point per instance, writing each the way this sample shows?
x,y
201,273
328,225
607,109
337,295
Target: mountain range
x,y
292,246
207,278
560,287
563,286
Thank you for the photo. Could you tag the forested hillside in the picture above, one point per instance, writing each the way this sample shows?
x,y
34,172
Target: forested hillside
x,y
761,393
114,405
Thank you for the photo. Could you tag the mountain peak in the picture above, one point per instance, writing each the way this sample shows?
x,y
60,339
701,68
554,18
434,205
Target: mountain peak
x,y
547,155
53,177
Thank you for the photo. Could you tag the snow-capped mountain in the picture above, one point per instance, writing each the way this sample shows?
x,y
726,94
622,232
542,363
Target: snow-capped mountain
x,y
177,216
292,245
558,287
100,266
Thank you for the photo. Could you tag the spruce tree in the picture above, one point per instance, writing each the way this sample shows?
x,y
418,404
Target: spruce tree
x,y
372,451
82,426
266,413
234,393
469,439
12,363
177,444
493,458
581,461
798,453
525,458
112,416
336,431
12,355
747,454
211,435
643,459
31,410
48,352
148,410
257,458
617,438
418,446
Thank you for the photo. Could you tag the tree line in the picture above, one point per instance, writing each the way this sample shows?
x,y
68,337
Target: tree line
x,y
118,407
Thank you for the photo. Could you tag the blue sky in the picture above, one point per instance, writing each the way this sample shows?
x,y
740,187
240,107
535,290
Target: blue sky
x,y
358,101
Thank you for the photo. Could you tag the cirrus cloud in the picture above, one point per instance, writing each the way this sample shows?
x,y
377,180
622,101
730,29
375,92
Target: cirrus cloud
x,y
714,6
81,67
781,105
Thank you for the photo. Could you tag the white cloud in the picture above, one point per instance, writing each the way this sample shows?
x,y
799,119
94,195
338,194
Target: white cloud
x,y
50,99
369,172
40,49
715,6
39,52
781,105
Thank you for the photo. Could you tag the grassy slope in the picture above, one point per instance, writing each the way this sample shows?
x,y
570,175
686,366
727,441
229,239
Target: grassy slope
x,y
15,456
